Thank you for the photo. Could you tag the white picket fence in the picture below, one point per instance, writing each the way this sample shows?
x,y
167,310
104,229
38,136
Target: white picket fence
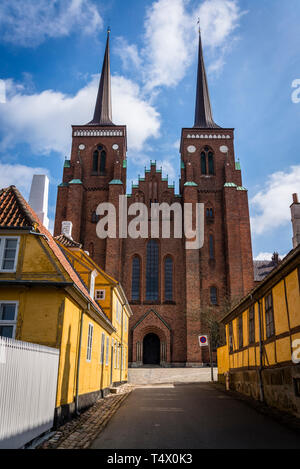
x,y
28,383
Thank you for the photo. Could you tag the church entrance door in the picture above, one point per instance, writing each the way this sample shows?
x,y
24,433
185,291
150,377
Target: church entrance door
x,y
151,350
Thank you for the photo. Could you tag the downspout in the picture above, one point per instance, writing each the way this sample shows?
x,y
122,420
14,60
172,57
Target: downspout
x,y
261,386
78,365
122,358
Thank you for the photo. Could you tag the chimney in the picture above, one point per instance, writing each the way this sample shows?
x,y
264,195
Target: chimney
x,y
38,199
295,211
66,229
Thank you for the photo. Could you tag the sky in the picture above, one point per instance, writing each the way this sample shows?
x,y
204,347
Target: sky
x,y
51,53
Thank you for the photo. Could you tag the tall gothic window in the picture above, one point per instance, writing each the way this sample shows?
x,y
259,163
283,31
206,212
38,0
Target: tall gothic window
x,y
136,278
99,161
207,162
152,271
169,279
211,247
213,296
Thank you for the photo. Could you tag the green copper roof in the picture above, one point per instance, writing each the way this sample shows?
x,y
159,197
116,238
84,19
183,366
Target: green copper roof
x,y
64,184
182,165
116,182
67,164
230,184
125,164
238,166
171,186
241,188
190,184
75,181
135,186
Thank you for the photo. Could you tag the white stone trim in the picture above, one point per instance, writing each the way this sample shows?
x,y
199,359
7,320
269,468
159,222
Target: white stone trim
x,y
210,136
97,133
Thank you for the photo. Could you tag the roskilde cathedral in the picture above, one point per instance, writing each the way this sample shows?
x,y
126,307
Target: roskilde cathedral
x,y
167,286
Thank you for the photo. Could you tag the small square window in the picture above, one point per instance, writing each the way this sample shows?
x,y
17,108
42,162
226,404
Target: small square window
x,y
100,295
8,319
8,254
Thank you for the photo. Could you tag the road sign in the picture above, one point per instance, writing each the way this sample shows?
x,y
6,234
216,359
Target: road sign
x,y
203,340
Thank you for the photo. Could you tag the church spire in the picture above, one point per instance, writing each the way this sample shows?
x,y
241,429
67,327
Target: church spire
x,y
203,112
103,108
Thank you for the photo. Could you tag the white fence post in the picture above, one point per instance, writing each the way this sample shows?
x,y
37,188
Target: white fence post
x,y
28,383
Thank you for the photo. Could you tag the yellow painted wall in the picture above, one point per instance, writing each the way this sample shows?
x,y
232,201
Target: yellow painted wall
x,y
275,352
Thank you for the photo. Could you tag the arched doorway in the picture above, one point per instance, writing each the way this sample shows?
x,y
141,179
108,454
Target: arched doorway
x,y
151,350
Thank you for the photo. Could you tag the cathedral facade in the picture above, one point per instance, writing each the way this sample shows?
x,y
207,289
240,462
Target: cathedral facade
x,y
168,286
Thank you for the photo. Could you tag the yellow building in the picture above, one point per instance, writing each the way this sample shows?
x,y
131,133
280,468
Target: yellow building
x,y
262,354
53,294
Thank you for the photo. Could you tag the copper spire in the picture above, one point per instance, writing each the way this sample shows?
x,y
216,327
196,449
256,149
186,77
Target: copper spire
x,y
203,112
103,108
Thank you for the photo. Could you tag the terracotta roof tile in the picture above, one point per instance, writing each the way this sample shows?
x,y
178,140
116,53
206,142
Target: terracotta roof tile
x,y
13,211
67,242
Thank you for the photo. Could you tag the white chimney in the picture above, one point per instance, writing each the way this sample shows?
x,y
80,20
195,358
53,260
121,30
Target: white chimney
x,y
38,199
295,210
66,228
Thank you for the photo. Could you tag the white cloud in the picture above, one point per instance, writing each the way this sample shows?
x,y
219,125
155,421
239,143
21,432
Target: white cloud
x,y
18,175
128,53
30,22
171,39
267,256
271,205
43,120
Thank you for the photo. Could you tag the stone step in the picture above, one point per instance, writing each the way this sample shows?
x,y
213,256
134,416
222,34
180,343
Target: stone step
x,y
170,375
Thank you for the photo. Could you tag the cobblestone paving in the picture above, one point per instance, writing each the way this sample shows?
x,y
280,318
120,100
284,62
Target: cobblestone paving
x,y
82,431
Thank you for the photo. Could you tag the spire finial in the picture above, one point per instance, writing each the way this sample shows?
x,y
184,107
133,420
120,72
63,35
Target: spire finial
x,y
103,108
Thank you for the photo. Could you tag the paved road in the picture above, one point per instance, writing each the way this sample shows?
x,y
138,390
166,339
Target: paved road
x,y
191,417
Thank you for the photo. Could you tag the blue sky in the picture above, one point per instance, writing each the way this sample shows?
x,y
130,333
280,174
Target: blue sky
x,y
51,54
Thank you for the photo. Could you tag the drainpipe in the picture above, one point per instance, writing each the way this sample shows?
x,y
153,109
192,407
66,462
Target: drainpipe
x,y
78,365
261,386
121,367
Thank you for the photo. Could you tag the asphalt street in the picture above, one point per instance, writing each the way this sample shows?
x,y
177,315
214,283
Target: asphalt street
x,y
191,416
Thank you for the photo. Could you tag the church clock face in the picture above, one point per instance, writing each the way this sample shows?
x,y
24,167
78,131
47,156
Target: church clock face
x,y
81,147
115,147
191,149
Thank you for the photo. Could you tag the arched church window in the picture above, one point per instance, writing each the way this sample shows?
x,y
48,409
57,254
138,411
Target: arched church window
x,y
152,271
213,296
99,161
95,161
211,166
168,279
207,162
203,163
209,213
102,162
211,247
136,279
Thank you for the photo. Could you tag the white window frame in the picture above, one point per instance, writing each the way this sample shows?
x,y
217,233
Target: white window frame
x,y
102,292
90,343
107,351
10,323
116,346
102,350
2,249
118,358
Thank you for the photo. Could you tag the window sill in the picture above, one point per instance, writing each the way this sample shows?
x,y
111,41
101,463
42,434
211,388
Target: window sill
x,y
169,302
